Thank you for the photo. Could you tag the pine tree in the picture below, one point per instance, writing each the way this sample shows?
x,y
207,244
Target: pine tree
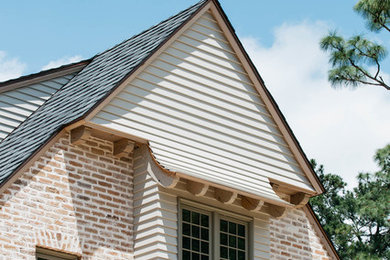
x,y
350,59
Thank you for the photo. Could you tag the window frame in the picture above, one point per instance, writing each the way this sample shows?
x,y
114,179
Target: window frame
x,y
215,214
217,231
51,254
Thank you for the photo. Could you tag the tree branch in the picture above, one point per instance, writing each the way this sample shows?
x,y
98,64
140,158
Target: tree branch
x,y
380,82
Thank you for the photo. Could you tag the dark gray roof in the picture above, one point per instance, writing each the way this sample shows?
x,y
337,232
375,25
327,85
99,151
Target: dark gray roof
x,y
87,89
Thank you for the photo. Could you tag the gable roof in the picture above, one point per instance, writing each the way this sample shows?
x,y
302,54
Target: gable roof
x,y
202,115
92,84
103,75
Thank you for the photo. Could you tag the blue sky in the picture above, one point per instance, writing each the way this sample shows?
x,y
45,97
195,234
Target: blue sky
x,y
40,31
340,128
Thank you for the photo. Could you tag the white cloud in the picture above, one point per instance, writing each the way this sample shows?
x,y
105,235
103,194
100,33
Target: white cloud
x,y
341,128
10,67
62,61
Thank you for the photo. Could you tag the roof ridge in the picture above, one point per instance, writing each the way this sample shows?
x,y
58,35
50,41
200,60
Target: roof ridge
x,y
150,28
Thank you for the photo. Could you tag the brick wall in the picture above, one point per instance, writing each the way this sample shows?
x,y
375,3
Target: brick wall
x,y
80,200
73,199
293,237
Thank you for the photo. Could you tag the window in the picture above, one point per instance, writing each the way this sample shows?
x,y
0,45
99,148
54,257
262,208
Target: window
x,y
47,254
195,234
232,239
207,233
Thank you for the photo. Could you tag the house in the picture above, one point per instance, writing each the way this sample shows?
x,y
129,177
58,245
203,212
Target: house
x,y
166,146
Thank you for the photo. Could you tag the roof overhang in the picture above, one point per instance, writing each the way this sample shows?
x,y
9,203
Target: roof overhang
x,y
42,76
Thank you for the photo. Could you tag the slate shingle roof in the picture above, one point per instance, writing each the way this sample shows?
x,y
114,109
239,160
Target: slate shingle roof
x,y
88,88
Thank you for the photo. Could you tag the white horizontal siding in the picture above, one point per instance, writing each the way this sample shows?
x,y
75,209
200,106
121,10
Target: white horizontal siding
x,y
203,116
18,104
155,217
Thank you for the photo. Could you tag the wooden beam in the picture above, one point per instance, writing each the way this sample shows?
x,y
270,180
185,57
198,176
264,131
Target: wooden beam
x,y
123,147
225,196
275,211
161,175
299,199
80,134
251,204
197,188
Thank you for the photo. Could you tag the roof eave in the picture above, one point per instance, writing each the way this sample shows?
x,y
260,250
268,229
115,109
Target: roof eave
x,y
43,76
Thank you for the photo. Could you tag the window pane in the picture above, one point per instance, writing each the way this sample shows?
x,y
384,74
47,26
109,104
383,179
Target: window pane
x,y
241,255
224,225
195,256
232,238
186,229
186,254
195,218
241,243
205,220
195,231
204,234
205,247
186,215
186,243
241,230
232,241
204,257
195,235
195,245
232,254
232,228
224,252
223,239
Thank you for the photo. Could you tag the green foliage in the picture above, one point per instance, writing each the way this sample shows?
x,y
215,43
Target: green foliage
x,y
376,12
357,221
350,58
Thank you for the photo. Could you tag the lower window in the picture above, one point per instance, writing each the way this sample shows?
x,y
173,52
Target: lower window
x,y
210,234
48,254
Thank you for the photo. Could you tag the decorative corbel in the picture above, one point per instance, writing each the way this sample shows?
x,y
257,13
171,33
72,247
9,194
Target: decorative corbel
x,y
80,134
123,147
161,175
197,188
251,204
225,196
299,199
275,210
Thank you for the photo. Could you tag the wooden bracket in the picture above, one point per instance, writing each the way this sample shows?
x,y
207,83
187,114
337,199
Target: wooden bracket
x,y
123,147
289,194
251,204
225,196
275,211
161,175
197,188
299,199
80,134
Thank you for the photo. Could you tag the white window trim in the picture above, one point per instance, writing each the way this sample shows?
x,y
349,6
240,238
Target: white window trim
x,y
53,255
216,214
